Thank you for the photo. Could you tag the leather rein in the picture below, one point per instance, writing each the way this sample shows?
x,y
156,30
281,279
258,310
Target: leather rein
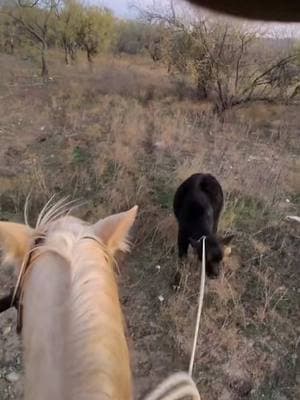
x,y
14,298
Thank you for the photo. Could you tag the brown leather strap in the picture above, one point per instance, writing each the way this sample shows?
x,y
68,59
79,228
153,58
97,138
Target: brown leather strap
x,y
18,303
7,302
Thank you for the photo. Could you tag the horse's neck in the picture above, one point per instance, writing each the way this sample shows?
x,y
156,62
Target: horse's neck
x,y
45,322
74,340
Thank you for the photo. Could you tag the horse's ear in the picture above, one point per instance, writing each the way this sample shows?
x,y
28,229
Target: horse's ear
x,y
113,230
227,239
15,242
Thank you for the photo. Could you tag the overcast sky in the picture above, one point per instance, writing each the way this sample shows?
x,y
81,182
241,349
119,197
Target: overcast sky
x,y
120,9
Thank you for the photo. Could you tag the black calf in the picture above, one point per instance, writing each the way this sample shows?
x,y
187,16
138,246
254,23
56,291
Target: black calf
x,y
198,203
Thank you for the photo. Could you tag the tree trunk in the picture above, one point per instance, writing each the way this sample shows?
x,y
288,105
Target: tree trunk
x,y
89,58
66,54
12,47
9,46
202,92
72,52
44,53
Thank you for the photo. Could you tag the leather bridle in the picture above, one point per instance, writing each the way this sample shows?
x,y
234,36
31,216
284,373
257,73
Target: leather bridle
x,y
14,299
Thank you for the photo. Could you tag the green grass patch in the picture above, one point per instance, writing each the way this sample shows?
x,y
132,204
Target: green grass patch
x,y
246,213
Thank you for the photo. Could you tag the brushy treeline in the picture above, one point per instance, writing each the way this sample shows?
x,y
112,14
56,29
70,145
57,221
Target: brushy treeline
x,y
229,64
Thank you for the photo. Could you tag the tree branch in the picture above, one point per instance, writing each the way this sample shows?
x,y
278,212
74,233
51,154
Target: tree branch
x,y
26,5
257,80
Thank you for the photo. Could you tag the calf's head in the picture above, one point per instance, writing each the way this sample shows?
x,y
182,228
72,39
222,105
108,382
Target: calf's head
x,y
214,252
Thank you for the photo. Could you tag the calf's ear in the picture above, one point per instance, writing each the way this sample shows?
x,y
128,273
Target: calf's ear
x,y
194,243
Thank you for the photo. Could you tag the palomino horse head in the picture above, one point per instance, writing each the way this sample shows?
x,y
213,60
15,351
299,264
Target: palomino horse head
x,y
73,330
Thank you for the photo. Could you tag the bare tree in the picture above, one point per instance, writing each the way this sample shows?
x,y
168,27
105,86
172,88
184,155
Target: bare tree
x,y
8,34
69,18
95,31
34,18
225,60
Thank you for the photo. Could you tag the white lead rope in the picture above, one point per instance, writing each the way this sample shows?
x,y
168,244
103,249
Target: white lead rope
x,y
181,384
200,306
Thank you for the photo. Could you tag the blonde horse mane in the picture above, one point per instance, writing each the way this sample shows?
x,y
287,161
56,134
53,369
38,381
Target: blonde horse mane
x,y
51,212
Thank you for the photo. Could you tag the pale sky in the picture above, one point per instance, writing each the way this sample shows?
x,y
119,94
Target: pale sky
x,y
120,9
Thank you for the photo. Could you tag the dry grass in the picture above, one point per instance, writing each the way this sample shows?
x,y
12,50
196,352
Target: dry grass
x,y
119,136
